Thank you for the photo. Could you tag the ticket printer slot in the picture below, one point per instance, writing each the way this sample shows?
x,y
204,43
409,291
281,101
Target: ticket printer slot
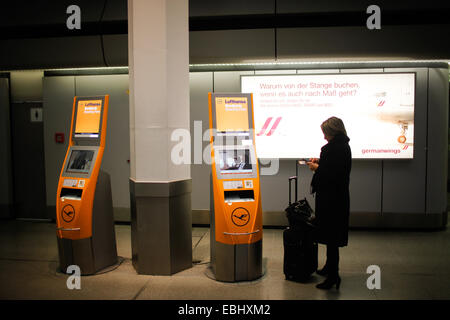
x,y
68,193
239,196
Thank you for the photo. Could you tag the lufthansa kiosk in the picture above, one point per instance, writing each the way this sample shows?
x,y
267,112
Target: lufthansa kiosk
x,y
84,212
236,216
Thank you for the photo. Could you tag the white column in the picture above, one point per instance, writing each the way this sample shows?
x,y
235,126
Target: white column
x,y
158,46
160,190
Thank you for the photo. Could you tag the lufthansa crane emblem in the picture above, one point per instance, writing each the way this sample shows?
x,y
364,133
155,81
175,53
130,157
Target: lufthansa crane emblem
x,y
68,213
240,216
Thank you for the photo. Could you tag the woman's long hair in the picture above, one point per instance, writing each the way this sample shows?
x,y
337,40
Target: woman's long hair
x,y
333,126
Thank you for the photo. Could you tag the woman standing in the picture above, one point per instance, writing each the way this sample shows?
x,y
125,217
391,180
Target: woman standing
x,y
330,183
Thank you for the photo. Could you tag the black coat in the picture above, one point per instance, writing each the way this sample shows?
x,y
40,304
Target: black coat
x,y
332,197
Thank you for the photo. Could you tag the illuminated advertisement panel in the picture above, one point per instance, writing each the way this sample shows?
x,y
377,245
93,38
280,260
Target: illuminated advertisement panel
x,y
377,110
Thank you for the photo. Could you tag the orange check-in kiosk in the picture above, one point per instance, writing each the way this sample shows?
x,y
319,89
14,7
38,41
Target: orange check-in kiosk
x,y
236,215
84,211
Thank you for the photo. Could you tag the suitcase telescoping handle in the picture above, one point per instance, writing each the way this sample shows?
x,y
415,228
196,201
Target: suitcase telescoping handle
x,y
293,178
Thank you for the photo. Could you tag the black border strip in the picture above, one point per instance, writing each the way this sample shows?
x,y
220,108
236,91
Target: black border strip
x,y
86,72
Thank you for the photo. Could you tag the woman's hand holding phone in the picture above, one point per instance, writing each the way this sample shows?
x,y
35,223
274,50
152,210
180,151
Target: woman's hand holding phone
x,y
313,164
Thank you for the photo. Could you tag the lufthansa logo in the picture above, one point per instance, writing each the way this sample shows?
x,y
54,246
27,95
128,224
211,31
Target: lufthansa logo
x,y
240,216
68,213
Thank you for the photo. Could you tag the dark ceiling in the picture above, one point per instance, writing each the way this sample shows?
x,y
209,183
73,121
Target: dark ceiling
x,y
46,18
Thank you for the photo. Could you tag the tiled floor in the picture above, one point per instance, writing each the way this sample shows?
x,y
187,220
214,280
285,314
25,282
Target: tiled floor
x,y
414,265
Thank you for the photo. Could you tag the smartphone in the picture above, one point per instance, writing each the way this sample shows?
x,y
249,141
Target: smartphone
x,y
303,161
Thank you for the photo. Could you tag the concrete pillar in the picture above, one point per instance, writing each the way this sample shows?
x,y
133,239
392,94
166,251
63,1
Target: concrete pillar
x,y
160,191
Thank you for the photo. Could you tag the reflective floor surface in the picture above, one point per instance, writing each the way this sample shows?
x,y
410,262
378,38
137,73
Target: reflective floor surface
x,y
413,265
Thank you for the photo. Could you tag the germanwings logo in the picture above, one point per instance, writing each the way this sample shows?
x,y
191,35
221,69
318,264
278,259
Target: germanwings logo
x,y
266,125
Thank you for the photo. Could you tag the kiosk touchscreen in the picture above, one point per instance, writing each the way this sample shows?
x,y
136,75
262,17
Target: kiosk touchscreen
x,y
84,214
236,216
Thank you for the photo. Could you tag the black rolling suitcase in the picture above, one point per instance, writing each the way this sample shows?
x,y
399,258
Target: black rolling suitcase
x,y
300,250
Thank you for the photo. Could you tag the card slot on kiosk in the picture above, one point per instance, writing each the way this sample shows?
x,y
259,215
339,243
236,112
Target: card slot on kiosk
x,y
84,214
236,215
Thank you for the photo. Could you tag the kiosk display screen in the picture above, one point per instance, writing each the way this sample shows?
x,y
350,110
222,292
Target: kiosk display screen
x,y
88,118
235,162
232,114
80,161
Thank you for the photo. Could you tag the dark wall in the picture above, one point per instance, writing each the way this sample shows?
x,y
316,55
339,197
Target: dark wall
x,y
34,34
6,184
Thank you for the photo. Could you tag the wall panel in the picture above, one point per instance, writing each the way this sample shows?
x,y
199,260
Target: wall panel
x,y
404,180
5,151
437,161
200,84
58,93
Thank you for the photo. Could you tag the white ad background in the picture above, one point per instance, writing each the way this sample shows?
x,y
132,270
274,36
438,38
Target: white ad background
x,y
373,108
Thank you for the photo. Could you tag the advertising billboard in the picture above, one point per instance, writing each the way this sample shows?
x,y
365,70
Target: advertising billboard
x,y
377,110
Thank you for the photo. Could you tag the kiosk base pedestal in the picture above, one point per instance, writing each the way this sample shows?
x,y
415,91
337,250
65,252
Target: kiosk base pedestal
x,y
99,251
232,263
81,253
240,262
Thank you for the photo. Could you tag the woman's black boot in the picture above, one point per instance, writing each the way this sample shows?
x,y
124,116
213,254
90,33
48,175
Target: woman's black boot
x,y
330,282
323,271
